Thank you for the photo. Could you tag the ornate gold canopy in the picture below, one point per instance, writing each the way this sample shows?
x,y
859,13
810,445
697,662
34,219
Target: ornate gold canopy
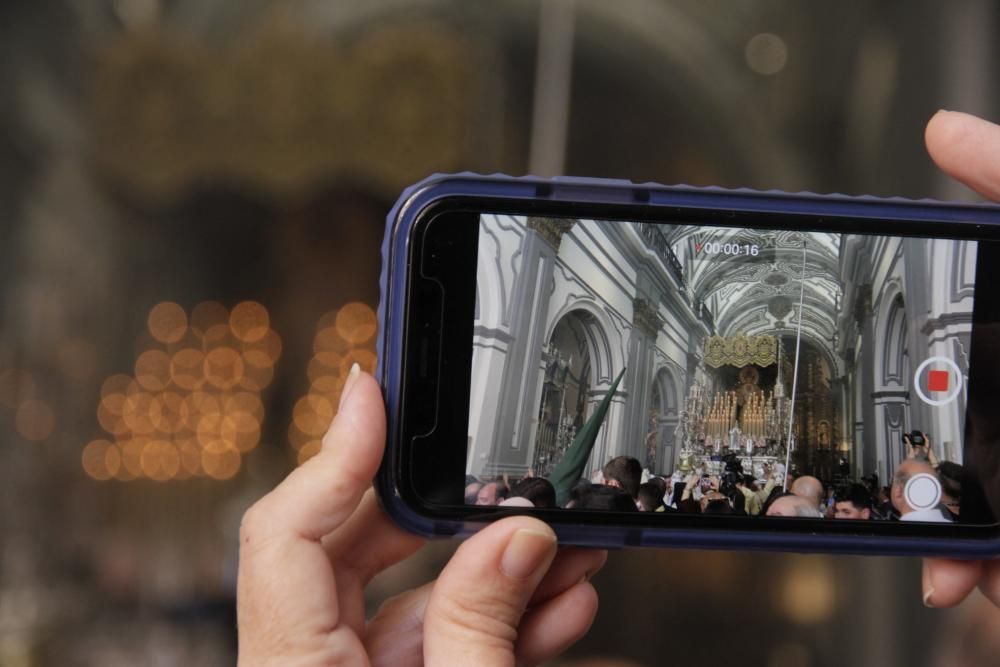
x,y
741,350
281,111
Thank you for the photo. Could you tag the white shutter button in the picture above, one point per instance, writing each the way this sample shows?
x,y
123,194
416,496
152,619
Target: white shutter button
x,y
922,491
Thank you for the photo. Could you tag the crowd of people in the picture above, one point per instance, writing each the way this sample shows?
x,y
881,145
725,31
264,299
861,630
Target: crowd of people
x,y
624,485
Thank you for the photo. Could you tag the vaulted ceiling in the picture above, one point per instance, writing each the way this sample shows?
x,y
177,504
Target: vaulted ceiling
x,y
755,294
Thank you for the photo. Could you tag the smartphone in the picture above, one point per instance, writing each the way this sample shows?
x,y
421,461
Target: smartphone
x,y
559,347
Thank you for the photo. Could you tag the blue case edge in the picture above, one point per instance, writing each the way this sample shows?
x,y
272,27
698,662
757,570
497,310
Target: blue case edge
x,y
594,190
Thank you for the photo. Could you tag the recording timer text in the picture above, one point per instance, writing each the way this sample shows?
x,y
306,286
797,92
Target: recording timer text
x,y
732,249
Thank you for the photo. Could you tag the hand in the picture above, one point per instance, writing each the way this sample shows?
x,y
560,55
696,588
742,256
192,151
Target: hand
x,y
929,446
309,548
968,149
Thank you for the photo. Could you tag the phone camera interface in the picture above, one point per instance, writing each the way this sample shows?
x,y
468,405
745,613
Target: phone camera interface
x,y
688,369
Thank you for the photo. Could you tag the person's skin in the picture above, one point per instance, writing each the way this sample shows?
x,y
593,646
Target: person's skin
x,y
808,487
845,509
487,495
967,149
309,548
790,505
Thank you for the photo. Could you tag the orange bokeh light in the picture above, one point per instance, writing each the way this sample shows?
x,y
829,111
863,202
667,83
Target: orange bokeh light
x,y
35,420
249,321
224,367
159,460
218,335
166,412
309,450
208,314
187,368
256,378
328,339
94,459
137,414
221,464
109,421
364,357
152,370
356,323
245,401
167,322
132,455
190,455
312,414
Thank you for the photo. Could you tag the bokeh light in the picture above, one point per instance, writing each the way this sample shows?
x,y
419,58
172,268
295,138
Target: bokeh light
x,y
35,420
193,407
766,53
308,450
343,337
95,459
167,322
807,594
249,321
356,323
152,370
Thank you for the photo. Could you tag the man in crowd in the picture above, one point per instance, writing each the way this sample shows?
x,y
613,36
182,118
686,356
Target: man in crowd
x,y
907,470
472,489
810,488
793,505
754,497
624,472
651,497
538,490
492,493
853,502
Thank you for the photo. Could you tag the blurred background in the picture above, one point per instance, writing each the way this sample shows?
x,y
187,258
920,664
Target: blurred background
x,y
192,197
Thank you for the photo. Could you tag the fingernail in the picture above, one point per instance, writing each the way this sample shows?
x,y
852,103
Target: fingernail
x,y
928,587
526,552
352,379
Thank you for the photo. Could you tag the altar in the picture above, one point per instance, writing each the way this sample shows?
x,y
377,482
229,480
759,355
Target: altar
x,y
739,419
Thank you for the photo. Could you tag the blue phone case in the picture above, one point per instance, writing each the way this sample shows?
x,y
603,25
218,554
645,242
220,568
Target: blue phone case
x,y
392,283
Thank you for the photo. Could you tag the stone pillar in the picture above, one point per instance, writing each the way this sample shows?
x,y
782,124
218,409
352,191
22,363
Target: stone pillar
x,y
869,437
638,380
517,411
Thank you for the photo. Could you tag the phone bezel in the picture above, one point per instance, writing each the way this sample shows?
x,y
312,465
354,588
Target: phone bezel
x,y
461,212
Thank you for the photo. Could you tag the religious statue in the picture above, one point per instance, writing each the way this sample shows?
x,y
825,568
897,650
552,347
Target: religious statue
x,y
681,432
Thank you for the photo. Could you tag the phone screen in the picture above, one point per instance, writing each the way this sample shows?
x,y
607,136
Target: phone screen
x,y
684,369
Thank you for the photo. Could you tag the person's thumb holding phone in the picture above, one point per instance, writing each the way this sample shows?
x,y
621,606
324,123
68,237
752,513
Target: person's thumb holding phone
x,y
491,607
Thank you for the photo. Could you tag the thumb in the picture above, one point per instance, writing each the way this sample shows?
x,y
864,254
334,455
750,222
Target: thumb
x,y
477,603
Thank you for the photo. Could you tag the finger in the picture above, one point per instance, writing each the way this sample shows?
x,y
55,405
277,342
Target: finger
x,y
551,628
967,148
286,589
947,582
989,583
476,605
319,495
366,544
369,541
395,635
570,567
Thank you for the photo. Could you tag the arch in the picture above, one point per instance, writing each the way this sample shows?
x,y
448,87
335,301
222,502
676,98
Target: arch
x,y
667,387
891,341
605,358
567,379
